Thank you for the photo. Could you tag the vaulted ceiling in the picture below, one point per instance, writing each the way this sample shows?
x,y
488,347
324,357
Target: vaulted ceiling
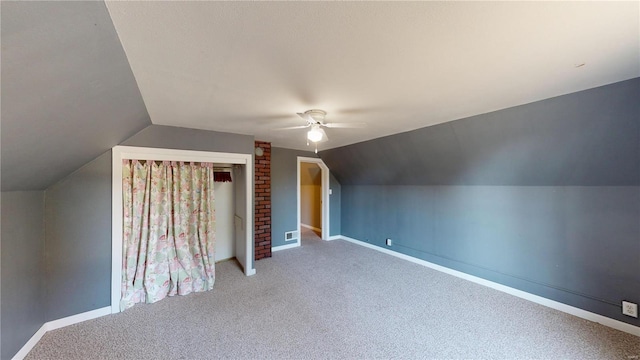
x,y
248,67
80,77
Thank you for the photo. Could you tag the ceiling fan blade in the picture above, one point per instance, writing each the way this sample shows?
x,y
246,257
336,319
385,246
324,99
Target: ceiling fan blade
x,y
354,125
306,117
293,127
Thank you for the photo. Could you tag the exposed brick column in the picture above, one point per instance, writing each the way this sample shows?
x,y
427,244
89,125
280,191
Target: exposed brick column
x,y
262,201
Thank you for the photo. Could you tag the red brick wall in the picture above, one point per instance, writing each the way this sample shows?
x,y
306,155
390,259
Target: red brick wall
x,y
262,201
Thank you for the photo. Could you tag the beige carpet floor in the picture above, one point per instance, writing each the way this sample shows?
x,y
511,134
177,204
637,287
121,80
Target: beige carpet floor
x,y
329,300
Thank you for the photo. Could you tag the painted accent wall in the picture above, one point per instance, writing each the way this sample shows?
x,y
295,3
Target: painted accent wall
x,y
588,138
78,241
23,266
543,197
335,206
171,137
68,92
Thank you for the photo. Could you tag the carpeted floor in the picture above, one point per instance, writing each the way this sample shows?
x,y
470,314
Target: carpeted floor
x,y
338,300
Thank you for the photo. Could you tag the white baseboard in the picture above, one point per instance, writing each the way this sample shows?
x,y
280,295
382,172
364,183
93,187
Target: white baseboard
x,y
311,227
334,237
31,343
285,247
74,319
57,324
612,323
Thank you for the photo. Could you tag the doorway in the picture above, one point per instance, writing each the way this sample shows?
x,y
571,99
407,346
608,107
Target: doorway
x,y
310,197
313,197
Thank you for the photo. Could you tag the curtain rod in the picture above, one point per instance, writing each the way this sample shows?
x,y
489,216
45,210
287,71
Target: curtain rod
x,y
215,168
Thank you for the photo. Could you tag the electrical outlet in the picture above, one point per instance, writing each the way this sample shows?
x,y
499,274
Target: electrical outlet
x,y
388,242
630,309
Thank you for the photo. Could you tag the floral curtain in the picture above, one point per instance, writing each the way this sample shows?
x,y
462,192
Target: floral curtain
x,y
168,230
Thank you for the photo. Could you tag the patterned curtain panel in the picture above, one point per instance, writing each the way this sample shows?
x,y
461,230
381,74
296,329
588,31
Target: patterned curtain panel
x,y
168,230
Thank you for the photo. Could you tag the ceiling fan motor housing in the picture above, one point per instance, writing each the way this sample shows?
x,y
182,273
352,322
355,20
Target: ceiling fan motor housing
x,y
316,115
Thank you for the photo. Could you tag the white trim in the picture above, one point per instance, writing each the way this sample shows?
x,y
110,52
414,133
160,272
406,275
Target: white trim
x,y
587,315
120,153
31,343
310,227
298,240
116,227
56,324
250,248
74,319
285,247
325,194
334,237
145,153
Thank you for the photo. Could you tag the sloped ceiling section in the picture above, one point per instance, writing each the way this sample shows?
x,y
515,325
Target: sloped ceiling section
x,y
587,138
68,93
248,67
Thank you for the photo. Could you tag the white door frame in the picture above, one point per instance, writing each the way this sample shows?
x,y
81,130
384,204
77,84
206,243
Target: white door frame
x,y
120,153
325,195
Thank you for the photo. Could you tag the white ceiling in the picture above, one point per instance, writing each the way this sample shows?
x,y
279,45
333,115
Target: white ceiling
x,y
248,67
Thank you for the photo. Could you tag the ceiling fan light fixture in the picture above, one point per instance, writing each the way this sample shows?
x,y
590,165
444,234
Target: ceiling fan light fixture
x,y
315,134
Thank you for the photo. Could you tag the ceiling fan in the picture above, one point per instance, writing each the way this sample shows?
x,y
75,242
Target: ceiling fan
x,y
315,121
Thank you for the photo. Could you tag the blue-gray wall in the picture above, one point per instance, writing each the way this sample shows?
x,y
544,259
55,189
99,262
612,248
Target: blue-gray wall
x,y
78,241
589,138
576,245
68,92
22,282
171,137
543,197
78,214
335,206
284,217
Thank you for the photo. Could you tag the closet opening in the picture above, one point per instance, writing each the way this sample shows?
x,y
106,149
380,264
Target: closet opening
x,y
233,190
